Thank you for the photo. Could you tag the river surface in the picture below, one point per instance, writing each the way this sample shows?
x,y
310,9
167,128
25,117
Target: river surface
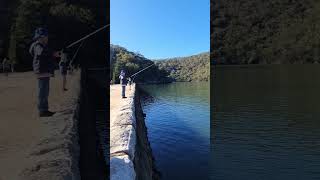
x,y
178,122
266,123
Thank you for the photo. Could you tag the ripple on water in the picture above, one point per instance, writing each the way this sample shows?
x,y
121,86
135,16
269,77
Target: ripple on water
x,y
179,129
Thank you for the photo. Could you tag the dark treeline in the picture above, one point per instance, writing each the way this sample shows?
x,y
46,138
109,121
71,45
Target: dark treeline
x,y
66,20
265,32
193,68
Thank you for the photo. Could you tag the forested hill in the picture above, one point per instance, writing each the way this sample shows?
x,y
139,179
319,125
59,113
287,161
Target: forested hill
x,y
131,62
265,32
192,68
66,21
6,13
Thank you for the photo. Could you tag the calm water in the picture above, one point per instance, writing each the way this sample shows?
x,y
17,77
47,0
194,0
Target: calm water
x,y
178,122
266,123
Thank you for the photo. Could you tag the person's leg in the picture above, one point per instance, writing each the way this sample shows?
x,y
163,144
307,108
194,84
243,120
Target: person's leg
x,y
43,93
123,91
5,70
44,87
47,92
64,82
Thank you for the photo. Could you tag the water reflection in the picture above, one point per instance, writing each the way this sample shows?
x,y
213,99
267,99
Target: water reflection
x,y
266,123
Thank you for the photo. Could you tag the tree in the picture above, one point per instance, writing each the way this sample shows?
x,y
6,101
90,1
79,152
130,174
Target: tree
x,y
57,15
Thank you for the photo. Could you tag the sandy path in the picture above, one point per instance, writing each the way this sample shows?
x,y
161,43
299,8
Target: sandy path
x,y
20,126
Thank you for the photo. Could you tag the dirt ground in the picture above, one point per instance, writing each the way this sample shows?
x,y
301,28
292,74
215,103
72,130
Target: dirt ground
x,y
20,127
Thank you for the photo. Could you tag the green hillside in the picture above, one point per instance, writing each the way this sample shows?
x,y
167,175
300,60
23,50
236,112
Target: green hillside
x,y
193,68
122,59
265,32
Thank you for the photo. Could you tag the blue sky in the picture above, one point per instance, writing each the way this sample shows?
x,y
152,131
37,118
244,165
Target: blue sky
x,y
161,28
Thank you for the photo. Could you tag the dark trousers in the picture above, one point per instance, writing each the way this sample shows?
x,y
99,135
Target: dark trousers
x,y
123,91
43,93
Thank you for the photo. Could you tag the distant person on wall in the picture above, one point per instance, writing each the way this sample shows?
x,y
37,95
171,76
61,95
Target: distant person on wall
x,y
130,82
12,66
5,66
123,82
43,67
63,70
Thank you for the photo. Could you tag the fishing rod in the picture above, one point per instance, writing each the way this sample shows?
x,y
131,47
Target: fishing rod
x,y
141,70
75,54
71,64
87,36
82,41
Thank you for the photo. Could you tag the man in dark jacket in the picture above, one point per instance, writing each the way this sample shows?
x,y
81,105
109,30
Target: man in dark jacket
x,y
43,66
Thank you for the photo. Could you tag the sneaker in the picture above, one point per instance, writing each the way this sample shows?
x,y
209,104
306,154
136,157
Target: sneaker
x,y
46,114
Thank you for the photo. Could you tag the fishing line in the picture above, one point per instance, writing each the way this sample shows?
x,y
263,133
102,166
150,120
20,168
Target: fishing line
x,y
141,70
82,41
75,54
87,36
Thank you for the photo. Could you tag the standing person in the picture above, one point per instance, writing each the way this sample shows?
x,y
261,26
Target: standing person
x,y
123,82
5,64
12,66
130,82
63,70
43,67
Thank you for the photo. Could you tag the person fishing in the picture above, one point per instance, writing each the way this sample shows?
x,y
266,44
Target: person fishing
x,y
5,66
43,67
63,70
123,82
130,82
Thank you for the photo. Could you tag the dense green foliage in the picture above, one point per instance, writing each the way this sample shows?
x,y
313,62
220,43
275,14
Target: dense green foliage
x,y
122,59
265,32
66,20
193,68
6,14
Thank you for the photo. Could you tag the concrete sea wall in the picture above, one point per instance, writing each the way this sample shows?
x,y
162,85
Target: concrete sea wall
x,y
56,155
130,151
69,147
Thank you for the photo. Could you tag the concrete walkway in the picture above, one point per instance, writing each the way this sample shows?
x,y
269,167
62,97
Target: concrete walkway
x,y
122,133
21,130
116,101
